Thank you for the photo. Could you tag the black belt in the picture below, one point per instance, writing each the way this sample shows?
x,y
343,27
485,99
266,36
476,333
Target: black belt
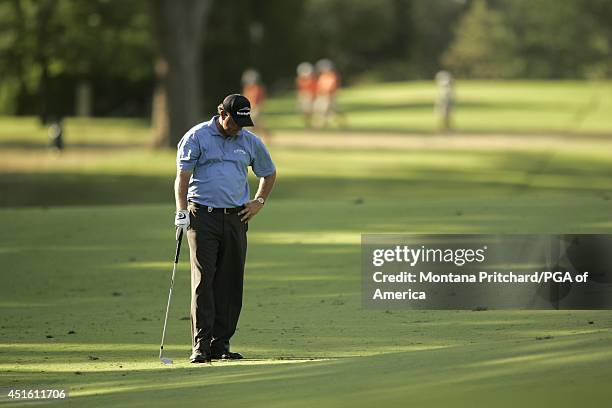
x,y
233,210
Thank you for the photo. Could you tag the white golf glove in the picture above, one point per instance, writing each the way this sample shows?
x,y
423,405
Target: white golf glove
x,y
182,219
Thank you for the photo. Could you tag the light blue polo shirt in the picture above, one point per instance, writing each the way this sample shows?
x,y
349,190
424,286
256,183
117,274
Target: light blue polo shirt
x,y
220,164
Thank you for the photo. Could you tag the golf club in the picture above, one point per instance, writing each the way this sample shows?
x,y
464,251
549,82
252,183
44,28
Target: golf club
x,y
179,238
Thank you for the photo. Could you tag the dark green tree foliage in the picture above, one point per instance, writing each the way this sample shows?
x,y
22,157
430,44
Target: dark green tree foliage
x,y
109,43
245,34
433,27
555,38
538,39
49,46
27,30
484,47
600,40
357,34
15,53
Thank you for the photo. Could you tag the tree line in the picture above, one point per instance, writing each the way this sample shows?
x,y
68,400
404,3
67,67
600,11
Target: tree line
x,y
179,58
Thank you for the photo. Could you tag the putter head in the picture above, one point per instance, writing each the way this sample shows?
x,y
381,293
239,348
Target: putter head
x,y
165,360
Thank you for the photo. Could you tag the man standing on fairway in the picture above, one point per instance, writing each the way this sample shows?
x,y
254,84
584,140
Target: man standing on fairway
x,y
213,207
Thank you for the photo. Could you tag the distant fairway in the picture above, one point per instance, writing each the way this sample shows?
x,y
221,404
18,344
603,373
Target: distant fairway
x,y
92,253
482,106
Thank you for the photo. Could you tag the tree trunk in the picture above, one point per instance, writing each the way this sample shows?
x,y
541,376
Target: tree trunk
x,y
43,15
177,102
18,58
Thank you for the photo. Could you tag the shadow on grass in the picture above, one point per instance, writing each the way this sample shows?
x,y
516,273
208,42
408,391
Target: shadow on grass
x,y
408,131
358,107
95,145
510,174
72,188
454,375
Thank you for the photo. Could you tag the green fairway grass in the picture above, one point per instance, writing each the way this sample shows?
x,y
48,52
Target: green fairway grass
x,y
87,241
103,272
481,106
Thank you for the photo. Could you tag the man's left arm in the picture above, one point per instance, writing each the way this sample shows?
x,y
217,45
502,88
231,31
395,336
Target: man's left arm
x,y
252,207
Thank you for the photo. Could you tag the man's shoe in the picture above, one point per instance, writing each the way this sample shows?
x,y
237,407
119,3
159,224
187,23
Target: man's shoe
x,y
228,355
199,357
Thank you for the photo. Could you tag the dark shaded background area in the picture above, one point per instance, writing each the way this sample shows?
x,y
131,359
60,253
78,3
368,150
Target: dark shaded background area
x,y
49,47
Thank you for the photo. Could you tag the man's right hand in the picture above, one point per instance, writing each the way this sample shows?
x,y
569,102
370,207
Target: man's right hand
x,y
182,219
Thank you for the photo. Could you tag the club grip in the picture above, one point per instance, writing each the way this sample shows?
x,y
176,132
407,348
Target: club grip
x,y
179,238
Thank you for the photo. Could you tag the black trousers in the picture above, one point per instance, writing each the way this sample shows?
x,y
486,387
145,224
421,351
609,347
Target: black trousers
x,y
218,245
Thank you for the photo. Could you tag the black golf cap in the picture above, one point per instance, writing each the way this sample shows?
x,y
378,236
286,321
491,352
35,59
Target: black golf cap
x,y
239,108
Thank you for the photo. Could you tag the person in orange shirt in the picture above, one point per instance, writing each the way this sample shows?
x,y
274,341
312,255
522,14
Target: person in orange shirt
x,y
325,105
254,90
306,85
